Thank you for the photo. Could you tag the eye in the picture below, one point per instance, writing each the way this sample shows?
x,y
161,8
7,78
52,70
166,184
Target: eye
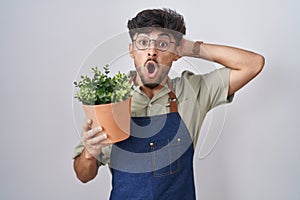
x,y
162,43
143,42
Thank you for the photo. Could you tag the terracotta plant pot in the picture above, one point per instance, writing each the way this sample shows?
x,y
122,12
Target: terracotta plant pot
x,y
114,118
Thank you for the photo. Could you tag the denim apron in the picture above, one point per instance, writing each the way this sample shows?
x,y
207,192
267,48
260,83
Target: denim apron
x,y
156,161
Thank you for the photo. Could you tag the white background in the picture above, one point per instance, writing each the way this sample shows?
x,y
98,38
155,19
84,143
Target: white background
x,y
43,44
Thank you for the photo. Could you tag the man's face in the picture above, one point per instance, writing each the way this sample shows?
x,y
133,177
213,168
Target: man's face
x,y
153,53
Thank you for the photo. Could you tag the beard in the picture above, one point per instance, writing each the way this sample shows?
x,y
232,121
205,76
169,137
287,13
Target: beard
x,y
152,83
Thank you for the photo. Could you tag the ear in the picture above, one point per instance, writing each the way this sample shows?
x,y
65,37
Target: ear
x,y
176,57
177,54
131,50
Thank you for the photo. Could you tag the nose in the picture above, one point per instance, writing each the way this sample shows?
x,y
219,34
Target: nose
x,y
152,51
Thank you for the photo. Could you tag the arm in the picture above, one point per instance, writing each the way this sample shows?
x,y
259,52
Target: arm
x,y
244,65
85,165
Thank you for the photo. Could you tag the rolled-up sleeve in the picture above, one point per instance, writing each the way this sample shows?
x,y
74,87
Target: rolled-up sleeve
x,y
217,86
210,89
102,159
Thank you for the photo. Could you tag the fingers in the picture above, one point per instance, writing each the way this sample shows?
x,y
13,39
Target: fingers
x,y
91,133
88,132
97,139
93,138
87,125
95,144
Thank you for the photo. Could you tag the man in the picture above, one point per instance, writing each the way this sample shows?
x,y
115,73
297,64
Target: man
x,y
166,114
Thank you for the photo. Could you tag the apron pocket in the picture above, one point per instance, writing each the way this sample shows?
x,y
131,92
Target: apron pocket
x,y
165,159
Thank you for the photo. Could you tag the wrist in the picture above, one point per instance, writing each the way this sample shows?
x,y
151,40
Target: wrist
x,y
190,48
86,154
186,47
197,48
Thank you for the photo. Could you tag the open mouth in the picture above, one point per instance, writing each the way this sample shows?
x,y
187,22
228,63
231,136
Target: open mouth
x,y
151,68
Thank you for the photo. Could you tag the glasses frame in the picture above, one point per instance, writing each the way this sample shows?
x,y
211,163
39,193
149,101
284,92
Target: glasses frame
x,y
152,40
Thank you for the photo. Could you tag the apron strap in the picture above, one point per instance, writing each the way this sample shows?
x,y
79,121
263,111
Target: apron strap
x,y
172,97
173,102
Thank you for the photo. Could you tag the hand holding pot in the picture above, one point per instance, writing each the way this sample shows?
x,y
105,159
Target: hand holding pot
x,y
93,139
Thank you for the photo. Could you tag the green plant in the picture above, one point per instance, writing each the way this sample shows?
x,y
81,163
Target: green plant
x,y
103,89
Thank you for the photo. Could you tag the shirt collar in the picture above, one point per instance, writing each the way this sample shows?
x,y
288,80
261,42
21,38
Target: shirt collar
x,y
164,90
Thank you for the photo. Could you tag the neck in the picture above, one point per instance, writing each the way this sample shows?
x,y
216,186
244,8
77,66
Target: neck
x,y
150,92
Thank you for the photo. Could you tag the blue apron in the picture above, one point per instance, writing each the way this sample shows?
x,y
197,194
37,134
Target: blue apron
x,y
156,161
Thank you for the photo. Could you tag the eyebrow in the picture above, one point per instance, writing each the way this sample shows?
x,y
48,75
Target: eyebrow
x,y
159,35
165,34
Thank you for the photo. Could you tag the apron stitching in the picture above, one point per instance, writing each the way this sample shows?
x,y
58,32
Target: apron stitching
x,y
153,157
170,155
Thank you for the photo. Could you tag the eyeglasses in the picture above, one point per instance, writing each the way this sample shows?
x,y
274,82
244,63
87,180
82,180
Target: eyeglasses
x,y
162,43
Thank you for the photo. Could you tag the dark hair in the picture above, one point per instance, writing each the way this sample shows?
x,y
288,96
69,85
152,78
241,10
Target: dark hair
x,y
164,18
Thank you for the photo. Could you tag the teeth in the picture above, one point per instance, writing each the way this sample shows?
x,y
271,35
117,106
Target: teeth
x,y
151,68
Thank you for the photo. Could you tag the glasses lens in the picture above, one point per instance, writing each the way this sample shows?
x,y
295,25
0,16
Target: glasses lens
x,y
163,43
142,42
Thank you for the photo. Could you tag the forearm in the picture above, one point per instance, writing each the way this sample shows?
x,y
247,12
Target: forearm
x,y
244,65
231,57
86,167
